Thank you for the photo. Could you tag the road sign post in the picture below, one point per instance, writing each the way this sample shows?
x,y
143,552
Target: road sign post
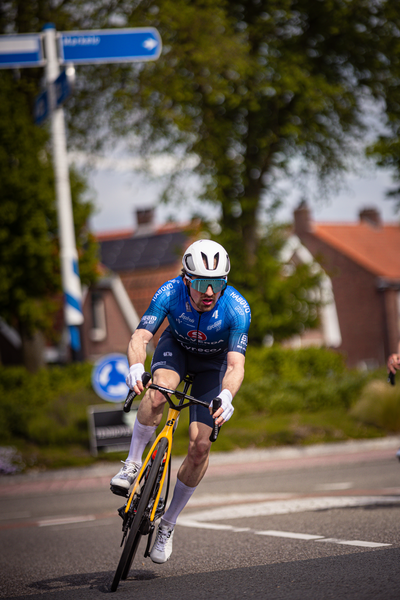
x,y
68,253
78,47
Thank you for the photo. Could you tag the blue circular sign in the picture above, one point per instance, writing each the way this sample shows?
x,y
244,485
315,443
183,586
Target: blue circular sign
x,y
108,377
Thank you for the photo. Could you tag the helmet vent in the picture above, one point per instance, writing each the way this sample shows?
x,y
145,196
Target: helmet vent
x,y
189,262
205,261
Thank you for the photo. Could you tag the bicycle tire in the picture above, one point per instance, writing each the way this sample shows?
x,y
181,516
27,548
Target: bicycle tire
x,y
161,449
133,539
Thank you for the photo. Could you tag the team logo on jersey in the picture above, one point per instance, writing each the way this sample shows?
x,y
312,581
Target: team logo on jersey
x,y
217,326
195,334
242,343
184,317
148,319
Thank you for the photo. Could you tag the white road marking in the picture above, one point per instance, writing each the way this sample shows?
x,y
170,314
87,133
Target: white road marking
x,y
325,487
289,534
283,507
202,519
353,543
65,520
227,499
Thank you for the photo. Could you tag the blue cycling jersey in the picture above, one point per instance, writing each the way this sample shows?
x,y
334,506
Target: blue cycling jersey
x,y
222,329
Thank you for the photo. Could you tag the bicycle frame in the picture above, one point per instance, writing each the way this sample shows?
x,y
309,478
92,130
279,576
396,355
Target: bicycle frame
x,y
166,432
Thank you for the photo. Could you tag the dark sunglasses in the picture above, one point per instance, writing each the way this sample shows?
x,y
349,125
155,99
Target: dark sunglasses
x,y
201,285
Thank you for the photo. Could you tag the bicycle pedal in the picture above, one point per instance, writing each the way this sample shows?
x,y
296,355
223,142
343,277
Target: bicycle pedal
x,y
121,512
119,491
149,540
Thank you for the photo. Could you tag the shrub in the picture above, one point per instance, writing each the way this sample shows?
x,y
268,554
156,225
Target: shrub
x,y
48,407
280,381
379,405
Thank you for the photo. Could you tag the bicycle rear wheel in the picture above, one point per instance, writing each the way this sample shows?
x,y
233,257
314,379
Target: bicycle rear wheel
x,y
133,539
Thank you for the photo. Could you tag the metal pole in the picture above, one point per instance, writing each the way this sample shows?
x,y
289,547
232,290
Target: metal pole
x,y
68,254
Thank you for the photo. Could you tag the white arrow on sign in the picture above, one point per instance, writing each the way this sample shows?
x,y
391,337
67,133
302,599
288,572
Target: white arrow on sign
x,y
150,43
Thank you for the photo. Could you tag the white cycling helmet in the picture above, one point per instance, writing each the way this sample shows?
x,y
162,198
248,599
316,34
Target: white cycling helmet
x,y
206,258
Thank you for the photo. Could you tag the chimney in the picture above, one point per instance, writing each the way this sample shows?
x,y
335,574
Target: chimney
x,y
370,216
145,221
302,219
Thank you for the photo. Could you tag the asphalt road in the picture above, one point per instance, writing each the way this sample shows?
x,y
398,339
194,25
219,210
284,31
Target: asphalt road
x,y
314,523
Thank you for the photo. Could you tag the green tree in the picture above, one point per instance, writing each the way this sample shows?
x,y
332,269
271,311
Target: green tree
x,y
284,298
29,256
248,86
252,88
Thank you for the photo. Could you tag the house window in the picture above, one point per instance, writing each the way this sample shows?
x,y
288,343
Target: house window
x,y
98,333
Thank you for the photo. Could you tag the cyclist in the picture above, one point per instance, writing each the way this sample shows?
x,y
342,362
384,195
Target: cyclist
x,y
393,365
393,362
206,336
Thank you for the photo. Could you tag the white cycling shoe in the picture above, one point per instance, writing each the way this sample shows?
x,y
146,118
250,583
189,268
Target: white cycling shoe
x,y
162,548
125,476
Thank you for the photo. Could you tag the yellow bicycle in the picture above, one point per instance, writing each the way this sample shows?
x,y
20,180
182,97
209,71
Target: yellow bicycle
x,y
145,503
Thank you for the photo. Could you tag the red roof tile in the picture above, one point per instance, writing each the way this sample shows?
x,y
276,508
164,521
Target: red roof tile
x,y
118,234
377,249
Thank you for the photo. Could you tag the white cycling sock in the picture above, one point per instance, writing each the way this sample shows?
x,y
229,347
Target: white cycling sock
x,y
141,436
182,495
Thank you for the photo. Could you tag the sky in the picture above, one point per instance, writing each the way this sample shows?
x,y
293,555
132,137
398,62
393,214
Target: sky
x,y
118,191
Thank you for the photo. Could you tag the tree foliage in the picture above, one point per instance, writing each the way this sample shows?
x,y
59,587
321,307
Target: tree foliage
x,y
248,86
29,256
255,89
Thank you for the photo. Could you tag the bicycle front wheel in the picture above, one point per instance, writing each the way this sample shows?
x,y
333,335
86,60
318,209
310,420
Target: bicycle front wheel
x,y
147,494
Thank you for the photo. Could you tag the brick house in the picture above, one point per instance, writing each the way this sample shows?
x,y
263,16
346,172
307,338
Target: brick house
x,y
145,258
109,318
363,262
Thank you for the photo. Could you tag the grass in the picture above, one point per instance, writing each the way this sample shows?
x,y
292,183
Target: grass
x,y
247,432
288,397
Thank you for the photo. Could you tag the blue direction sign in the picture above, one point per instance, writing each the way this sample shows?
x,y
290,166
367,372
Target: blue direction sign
x,y
41,108
62,88
23,50
109,45
108,377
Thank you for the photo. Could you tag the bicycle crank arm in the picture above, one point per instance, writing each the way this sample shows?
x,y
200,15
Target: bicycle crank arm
x,y
149,540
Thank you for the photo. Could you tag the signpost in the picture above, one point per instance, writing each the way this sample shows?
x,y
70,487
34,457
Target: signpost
x,y
80,47
111,428
23,50
63,86
109,45
41,108
108,377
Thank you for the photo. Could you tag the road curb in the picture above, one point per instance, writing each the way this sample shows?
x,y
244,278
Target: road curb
x,y
249,460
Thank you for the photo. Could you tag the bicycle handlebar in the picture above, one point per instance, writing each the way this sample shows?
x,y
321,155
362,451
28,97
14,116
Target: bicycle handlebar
x,y
180,395
216,404
391,378
132,395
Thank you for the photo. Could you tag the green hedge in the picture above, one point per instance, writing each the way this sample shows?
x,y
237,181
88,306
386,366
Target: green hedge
x,y
282,381
49,408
